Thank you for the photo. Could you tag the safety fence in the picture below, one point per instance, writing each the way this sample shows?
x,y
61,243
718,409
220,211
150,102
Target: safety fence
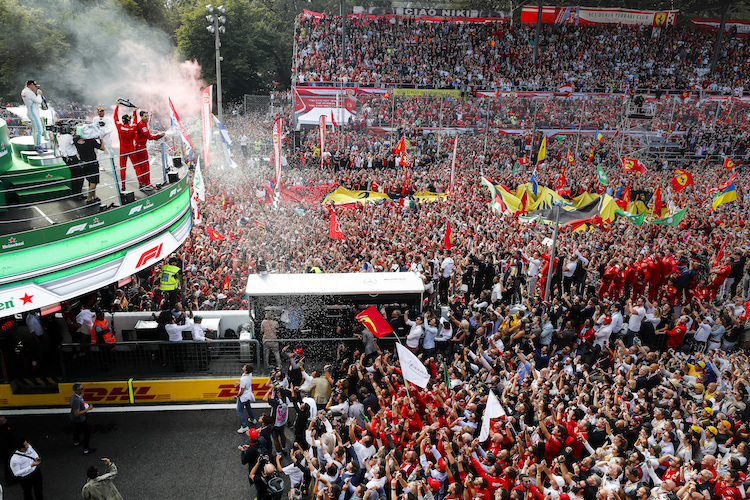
x,y
155,359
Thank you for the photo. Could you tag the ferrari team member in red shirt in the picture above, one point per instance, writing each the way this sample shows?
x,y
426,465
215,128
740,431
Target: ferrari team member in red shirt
x,y
126,129
142,166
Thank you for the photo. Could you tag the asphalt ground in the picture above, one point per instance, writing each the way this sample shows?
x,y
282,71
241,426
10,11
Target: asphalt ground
x,y
186,454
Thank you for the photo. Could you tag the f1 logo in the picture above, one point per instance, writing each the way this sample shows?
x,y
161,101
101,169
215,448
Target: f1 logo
x,y
76,228
151,253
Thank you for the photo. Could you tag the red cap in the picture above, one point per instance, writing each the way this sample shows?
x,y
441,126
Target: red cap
x,y
434,484
298,351
564,496
253,435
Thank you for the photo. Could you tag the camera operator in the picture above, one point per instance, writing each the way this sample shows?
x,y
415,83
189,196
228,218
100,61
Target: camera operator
x,y
268,482
69,154
86,140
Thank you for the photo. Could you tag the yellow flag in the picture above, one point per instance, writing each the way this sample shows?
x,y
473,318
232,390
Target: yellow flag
x,y
542,150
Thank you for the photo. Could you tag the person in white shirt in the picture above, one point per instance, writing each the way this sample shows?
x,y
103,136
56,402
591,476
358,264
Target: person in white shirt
x,y
603,334
32,98
412,338
244,398
24,463
106,126
446,270
532,273
637,314
617,320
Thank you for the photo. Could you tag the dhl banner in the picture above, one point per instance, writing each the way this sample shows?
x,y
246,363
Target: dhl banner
x,y
599,16
144,391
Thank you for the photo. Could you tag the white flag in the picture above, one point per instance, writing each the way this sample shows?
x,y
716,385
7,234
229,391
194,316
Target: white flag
x,y
196,211
199,188
493,410
413,369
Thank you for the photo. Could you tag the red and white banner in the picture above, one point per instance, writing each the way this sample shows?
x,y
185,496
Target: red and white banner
x,y
310,102
206,124
423,14
599,16
322,132
712,25
277,128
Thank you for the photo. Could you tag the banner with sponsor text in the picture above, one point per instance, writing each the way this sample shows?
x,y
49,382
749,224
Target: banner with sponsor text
x,y
599,16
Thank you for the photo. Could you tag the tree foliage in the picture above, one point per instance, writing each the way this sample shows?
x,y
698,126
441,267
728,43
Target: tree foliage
x,y
28,42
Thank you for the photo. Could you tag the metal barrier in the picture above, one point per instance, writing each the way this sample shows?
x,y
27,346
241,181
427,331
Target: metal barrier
x,y
155,359
319,351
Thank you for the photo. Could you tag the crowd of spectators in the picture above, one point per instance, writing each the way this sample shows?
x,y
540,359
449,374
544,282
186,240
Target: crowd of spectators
x,y
406,51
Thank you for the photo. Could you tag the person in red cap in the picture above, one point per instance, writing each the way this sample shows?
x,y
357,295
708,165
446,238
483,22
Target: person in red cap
x,y
251,452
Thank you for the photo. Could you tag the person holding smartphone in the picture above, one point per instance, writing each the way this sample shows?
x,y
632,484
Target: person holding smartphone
x,y
101,487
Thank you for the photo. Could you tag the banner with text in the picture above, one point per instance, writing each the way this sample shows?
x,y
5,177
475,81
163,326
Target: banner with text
x,y
707,25
599,16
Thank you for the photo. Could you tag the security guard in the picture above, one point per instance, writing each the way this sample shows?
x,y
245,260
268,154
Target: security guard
x,y
103,336
170,279
101,330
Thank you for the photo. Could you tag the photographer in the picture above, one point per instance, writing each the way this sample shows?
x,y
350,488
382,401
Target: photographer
x,y
266,478
64,131
87,142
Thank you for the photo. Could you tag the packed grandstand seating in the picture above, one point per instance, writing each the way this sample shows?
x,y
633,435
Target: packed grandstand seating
x,y
401,51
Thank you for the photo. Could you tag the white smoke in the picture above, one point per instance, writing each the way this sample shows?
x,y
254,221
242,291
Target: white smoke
x,y
115,56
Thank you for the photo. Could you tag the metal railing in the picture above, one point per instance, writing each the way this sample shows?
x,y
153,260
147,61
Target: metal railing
x,y
318,352
155,359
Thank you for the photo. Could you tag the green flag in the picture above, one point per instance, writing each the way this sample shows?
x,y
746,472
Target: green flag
x,y
601,175
635,219
671,219
515,167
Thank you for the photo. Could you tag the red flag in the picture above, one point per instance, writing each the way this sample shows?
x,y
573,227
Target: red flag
x,y
728,163
401,146
333,120
631,164
561,181
591,154
720,255
571,158
681,180
523,206
405,187
448,238
657,202
403,161
334,228
214,236
375,322
625,199
225,284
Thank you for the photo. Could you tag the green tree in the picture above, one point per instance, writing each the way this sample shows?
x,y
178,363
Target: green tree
x,y
256,47
29,45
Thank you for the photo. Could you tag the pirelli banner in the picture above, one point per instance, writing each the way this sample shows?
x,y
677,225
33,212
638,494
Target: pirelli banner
x,y
600,16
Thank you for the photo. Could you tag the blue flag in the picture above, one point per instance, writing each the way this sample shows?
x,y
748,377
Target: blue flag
x,y
227,142
534,185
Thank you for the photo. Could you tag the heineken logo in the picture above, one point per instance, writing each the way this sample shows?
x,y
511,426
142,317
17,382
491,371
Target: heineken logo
x,y
12,243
